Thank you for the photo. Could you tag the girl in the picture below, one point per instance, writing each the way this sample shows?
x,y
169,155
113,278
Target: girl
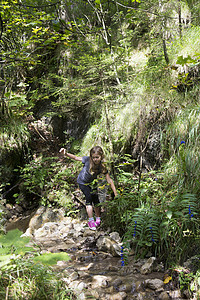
x,y
92,166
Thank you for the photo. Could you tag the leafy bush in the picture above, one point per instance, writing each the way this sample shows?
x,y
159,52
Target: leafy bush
x,y
183,148
49,179
23,279
154,218
24,274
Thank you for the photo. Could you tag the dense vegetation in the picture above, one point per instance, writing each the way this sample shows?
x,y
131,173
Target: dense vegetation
x,y
123,74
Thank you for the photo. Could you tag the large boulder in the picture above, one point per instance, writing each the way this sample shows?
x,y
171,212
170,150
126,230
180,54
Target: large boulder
x,y
44,215
154,284
148,266
107,244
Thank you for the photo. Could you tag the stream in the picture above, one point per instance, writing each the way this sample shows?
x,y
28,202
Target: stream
x,y
95,269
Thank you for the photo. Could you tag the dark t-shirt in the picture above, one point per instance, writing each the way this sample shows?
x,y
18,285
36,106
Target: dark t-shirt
x,y
85,176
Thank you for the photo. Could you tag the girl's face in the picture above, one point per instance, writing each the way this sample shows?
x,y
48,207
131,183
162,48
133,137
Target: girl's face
x,y
96,158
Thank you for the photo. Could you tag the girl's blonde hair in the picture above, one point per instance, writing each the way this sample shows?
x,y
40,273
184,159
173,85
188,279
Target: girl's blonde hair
x,y
97,150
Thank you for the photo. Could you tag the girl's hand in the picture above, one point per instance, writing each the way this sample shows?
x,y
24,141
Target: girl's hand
x,y
63,151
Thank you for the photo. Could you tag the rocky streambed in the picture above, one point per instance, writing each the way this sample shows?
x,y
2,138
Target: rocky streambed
x,y
95,269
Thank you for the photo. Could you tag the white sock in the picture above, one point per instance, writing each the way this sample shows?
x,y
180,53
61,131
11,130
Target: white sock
x,y
98,218
91,219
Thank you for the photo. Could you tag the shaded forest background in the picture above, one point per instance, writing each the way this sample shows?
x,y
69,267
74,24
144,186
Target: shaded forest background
x,y
122,74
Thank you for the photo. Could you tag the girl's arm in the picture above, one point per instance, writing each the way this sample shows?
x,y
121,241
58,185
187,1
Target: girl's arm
x,y
110,181
72,156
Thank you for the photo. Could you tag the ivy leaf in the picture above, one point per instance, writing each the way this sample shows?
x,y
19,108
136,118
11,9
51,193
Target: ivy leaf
x,y
182,61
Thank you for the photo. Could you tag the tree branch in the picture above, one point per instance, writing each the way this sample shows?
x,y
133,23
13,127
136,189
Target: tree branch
x,y
1,27
39,6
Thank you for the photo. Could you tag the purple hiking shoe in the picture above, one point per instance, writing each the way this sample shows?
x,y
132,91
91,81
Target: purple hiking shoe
x,y
97,222
92,225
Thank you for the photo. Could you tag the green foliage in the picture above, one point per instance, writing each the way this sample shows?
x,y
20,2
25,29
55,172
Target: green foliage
x,y
108,60
185,280
51,258
14,134
22,276
195,284
186,52
154,218
50,180
2,217
24,279
184,160
13,243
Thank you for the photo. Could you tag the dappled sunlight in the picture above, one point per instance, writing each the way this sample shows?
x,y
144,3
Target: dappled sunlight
x,y
139,58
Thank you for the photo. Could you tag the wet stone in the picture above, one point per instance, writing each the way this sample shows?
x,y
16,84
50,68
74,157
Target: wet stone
x,y
139,286
118,296
73,276
117,282
154,284
125,288
164,296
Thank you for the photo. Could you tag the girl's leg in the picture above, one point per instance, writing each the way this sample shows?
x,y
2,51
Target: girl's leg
x,y
97,211
91,198
89,210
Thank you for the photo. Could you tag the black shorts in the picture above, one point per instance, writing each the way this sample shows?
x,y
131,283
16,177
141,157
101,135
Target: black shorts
x,y
91,196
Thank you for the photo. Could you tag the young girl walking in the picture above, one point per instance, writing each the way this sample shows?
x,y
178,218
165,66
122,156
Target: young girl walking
x,y
92,166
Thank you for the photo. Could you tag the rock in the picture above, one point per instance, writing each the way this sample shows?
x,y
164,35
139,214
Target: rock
x,y
73,276
68,221
100,281
82,296
44,215
18,208
82,274
118,296
82,286
193,264
113,268
46,230
107,244
92,294
160,267
117,282
125,270
164,296
9,206
62,264
110,290
115,236
77,286
71,233
65,229
41,232
175,294
154,284
88,232
141,296
78,227
148,266
138,286
125,288
28,233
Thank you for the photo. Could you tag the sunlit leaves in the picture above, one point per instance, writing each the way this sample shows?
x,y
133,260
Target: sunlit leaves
x,y
35,30
182,61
